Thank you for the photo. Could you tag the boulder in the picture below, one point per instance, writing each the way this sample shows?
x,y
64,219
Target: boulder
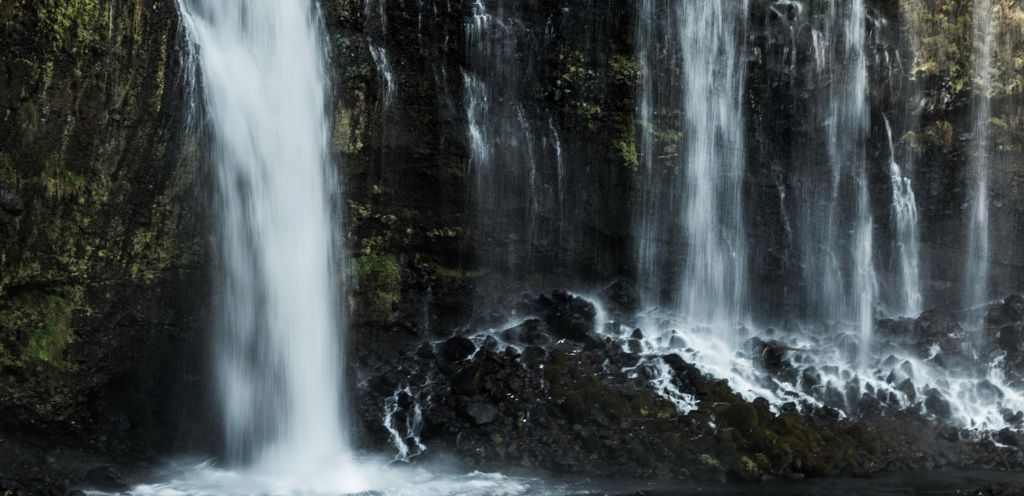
x,y
768,354
907,388
1010,438
567,316
530,333
937,405
481,412
1013,307
1011,337
937,327
11,203
457,348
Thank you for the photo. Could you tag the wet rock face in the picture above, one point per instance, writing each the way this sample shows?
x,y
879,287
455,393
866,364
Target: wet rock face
x,y
935,327
561,408
1004,324
101,285
621,296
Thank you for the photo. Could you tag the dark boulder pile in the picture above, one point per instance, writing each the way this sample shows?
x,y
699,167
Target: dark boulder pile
x,y
551,392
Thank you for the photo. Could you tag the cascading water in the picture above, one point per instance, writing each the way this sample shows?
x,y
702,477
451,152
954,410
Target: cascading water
x,y
835,346
907,239
716,268
265,87
977,265
839,268
277,354
692,151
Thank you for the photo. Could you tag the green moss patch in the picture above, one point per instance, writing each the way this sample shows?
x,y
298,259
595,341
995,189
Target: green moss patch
x,y
380,284
46,318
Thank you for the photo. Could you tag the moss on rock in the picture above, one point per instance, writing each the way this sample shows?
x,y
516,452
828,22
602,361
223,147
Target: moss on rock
x,y
46,319
380,284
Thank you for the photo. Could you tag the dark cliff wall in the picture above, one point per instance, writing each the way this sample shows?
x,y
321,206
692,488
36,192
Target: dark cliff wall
x,y
101,263
102,288
415,211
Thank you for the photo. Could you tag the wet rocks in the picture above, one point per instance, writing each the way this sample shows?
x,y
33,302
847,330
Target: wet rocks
x,y
768,354
907,388
532,332
481,412
1005,322
1010,438
935,327
457,348
937,405
567,316
105,478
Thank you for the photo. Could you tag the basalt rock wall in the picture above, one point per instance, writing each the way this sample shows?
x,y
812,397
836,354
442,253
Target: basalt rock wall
x,y
405,136
101,248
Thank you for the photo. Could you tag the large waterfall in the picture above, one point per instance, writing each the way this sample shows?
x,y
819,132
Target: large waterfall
x,y
277,351
837,240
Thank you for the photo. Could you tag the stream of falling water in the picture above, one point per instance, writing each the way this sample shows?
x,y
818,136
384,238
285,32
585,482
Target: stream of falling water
x,y
907,239
977,266
694,197
277,351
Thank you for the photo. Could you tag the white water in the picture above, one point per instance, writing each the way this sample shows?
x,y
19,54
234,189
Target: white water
x,y
907,238
204,479
831,369
714,279
277,351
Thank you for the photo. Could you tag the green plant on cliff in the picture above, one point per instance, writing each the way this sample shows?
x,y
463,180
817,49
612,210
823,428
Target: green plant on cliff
x,y
946,42
28,116
380,283
942,31
708,461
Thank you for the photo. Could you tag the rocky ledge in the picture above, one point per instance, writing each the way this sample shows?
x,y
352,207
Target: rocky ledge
x,y
555,392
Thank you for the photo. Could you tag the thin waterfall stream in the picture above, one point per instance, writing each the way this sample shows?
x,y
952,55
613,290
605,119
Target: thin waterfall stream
x,y
976,268
908,239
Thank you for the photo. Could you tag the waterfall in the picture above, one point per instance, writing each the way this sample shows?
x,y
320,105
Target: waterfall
x,y
837,225
277,349
715,273
976,269
691,145
907,239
